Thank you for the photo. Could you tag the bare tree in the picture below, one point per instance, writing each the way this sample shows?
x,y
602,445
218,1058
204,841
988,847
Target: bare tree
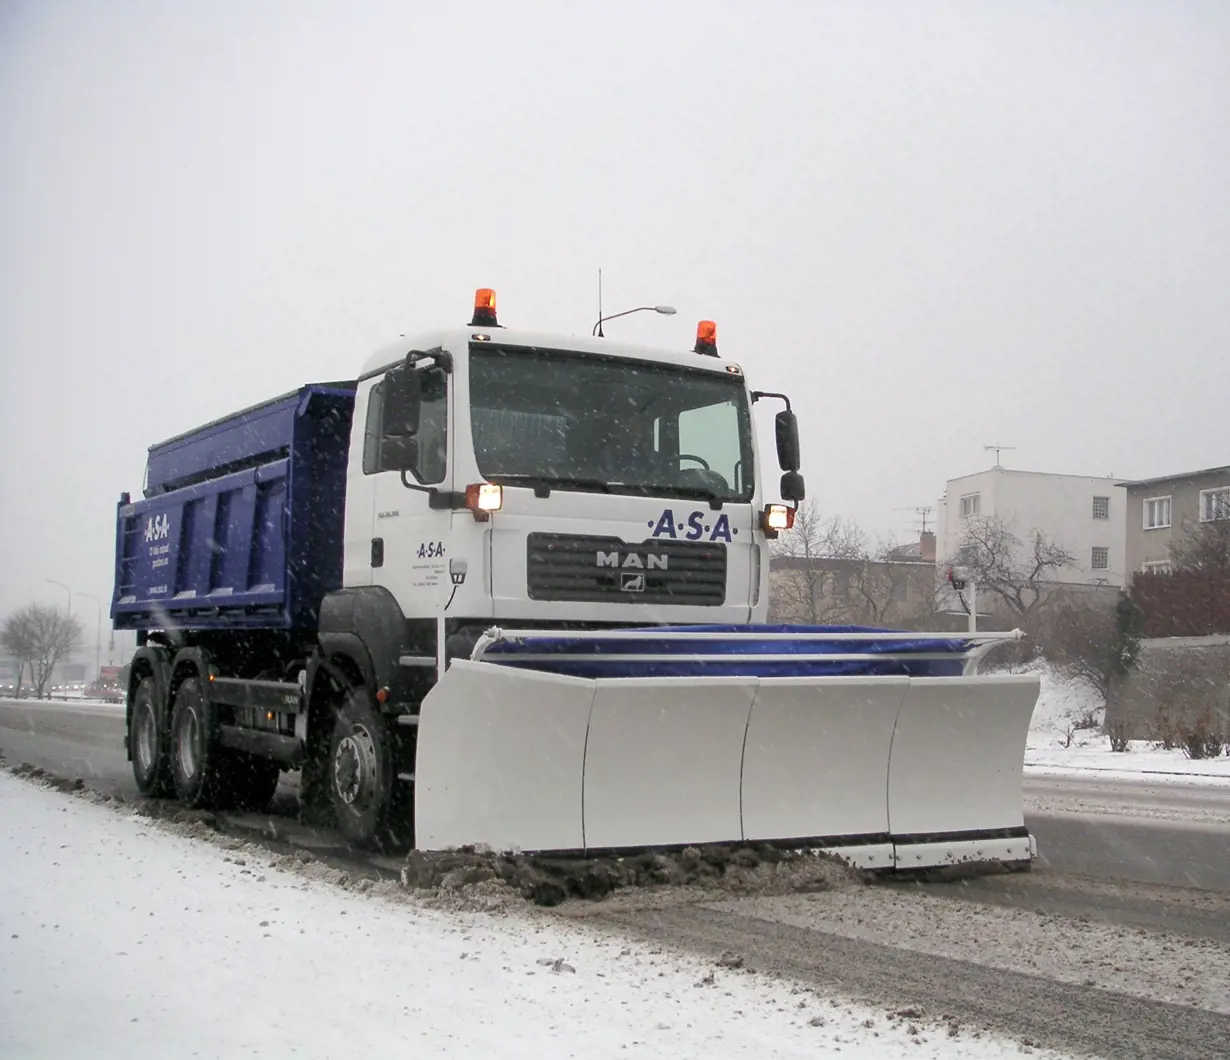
x,y
889,590
46,636
1203,547
1017,574
16,639
798,590
1092,639
829,573
800,587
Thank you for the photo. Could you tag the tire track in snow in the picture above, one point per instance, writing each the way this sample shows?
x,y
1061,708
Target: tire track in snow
x,y
1099,1022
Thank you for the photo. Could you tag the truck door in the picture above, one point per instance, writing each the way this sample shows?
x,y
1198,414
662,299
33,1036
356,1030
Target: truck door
x,y
409,537
360,490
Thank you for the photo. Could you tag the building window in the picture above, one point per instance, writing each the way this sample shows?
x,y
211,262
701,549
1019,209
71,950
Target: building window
x,y
1156,566
971,504
1215,504
1157,513
1101,557
1101,507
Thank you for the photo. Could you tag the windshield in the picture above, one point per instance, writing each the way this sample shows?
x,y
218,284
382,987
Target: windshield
x,y
622,426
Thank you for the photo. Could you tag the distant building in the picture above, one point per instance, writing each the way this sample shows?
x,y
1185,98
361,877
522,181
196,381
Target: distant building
x,y
1085,515
1159,510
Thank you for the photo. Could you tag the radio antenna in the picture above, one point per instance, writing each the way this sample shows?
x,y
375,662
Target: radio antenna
x,y
998,449
600,335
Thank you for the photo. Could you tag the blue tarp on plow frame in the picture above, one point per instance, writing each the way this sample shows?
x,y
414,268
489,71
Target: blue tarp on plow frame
x,y
587,657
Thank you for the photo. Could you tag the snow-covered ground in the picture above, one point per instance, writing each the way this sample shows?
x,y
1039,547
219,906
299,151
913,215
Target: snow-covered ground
x,y
121,938
1062,703
65,702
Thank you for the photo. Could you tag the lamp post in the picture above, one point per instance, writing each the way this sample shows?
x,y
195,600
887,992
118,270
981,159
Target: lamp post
x,y
52,581
97,633
665,310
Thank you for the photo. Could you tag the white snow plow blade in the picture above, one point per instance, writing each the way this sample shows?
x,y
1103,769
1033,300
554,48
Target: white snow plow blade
x,y
888,770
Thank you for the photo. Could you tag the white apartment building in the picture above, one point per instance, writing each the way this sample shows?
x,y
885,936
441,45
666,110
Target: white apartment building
x,y
1083,514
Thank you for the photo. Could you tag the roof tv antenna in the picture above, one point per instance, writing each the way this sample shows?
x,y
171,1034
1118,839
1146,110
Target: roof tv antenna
x,y
924,512
998,449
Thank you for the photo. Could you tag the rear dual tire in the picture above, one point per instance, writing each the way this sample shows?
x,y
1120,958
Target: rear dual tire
x,y
151,766
205,774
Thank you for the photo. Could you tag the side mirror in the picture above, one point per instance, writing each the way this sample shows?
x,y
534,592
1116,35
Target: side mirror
x,y
403,398
787,430
792,488
399,451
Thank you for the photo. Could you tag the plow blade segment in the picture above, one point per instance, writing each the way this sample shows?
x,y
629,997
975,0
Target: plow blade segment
x,y
500,757
663,761
815,763
958,755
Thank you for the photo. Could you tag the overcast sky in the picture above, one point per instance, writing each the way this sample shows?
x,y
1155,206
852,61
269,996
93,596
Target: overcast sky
x,y
937,225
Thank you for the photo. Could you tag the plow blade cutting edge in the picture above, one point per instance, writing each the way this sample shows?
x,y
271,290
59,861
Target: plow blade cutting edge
x,y
903,770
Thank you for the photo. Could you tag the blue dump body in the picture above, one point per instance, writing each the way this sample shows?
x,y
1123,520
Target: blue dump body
x,y
241,524
740,656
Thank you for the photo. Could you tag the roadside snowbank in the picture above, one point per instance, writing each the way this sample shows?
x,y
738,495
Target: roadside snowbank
x,y
1062,703
88,706
120,939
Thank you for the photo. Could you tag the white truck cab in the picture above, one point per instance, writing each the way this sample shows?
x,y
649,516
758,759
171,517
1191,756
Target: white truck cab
x,y
498,474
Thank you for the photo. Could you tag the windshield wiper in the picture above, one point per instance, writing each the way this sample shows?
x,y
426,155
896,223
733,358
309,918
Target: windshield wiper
x,y
716,500
543,485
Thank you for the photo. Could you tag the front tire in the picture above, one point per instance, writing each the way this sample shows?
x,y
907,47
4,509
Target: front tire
x,y
362,775
148,741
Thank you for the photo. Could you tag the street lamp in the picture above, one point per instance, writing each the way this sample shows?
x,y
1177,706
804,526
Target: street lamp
x,y
97,633
665,310
52,581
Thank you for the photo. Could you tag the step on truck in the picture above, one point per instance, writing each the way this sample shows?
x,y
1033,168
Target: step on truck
x,y
511,589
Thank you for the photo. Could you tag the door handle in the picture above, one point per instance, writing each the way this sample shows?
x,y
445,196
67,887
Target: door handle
x,y
377,551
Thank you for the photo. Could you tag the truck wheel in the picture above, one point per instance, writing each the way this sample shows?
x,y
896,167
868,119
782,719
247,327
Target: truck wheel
x,y
148,741
195,753
361,778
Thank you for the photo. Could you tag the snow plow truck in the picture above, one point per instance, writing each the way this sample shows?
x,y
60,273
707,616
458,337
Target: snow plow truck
x,y
510,589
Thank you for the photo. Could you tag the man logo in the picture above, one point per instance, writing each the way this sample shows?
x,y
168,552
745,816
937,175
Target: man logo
x,y
631,559
631,582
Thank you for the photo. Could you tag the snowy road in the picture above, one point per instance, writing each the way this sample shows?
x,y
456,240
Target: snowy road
x,y
1074,962
1156,831
120,938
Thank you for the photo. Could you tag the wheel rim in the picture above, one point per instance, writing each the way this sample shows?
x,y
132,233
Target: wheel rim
x,y
146,737
188,742
354,768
